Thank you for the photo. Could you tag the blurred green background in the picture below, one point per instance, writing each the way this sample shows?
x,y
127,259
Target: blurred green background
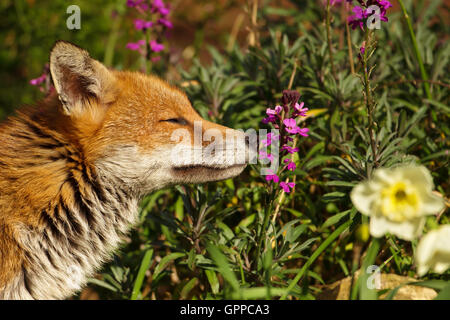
x,y
29,28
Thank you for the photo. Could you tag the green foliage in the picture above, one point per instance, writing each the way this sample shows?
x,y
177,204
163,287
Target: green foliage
x,y
211,241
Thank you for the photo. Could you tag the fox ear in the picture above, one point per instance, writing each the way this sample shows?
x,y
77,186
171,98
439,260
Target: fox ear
x,y
76,76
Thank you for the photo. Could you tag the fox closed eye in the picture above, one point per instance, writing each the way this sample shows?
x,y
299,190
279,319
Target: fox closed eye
x,y
180,121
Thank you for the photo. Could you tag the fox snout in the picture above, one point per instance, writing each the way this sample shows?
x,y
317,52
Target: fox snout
x,y
214,153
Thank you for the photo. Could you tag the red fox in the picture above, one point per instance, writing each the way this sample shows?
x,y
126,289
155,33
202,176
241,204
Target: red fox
x,y
74,167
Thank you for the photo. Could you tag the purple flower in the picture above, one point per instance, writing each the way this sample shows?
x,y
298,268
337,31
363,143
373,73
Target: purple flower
x,y
274,112
360,14
384,4
39,80
290,164
166,23
140,4
334,2
131,3
273,177
299,110
159,6
287,186
155,46
264,155
289,149
356,20
303,131
291,125
144,6
268,141
135,45
140,24
269,119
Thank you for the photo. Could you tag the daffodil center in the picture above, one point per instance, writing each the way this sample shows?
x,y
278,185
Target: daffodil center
x,y
400,201
400,195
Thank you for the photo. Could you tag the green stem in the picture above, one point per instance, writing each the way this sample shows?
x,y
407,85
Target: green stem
x,y
112,39
330,48
416,50
368,93
267,214
315,255
366,293
148,64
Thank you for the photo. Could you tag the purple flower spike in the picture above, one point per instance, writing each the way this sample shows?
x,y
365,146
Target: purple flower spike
x,y
289,149
155,46
270,119
166,23
159,6
142,24
356,20
264,155
290,164
299,110
39,80
385,4
287,186
303,131
291,125
135,45
131,3
273,177
270,137
274,112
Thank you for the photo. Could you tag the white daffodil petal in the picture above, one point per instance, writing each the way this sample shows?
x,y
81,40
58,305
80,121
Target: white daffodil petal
x,y
432,204
433,251
397,200
407,230
441,267
362,197
419,176
385,176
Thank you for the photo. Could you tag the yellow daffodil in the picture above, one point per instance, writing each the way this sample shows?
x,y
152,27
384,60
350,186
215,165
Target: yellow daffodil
x,y
397,201
433,251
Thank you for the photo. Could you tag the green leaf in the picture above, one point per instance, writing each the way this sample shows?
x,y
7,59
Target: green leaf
x,y
314,256
222,265
444,294
165,261
188,288
103,284
433,284
213,281
367,293
145,264
335,219
258,293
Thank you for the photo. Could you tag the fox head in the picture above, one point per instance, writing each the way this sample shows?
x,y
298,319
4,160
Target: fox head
x,y
138,130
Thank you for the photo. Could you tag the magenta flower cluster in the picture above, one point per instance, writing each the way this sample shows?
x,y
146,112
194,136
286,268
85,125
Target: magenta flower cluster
x,y
154,17
337,2
284,118
43,81
361,13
